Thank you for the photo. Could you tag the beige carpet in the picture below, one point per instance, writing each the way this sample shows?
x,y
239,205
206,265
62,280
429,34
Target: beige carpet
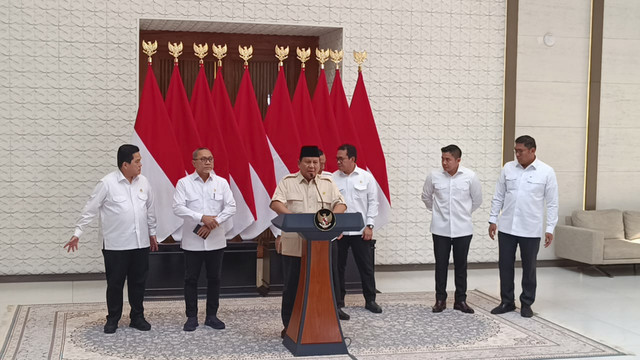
x,y
407,329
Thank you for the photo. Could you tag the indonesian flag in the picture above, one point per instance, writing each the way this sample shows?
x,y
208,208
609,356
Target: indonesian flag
x,y
326,122
344,120
281,129
184,127
160,153
263,177
238,165
205,118
303,112
370,141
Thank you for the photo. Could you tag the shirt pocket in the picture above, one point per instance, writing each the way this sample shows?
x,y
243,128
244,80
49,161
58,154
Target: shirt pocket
x,y
360,190
216,203
511,183
441,191
535,187
461,190
295,202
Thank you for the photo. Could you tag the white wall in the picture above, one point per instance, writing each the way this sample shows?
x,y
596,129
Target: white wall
x,y
551,100
68,94
619,158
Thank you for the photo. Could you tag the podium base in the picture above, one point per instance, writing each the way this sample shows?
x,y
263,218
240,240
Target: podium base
x,y
314,349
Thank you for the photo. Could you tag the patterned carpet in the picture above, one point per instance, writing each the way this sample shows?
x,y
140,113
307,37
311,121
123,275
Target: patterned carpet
x,y
407,329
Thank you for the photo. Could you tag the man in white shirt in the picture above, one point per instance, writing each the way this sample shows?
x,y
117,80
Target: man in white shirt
x,y
124,201
205,202
360,192
524,189
452,194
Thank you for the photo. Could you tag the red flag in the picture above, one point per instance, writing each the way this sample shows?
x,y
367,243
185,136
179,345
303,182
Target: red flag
x,y
263,176
204,116
370,141
239,167
304,114
344,121
184,127
281,128
160,153
326,122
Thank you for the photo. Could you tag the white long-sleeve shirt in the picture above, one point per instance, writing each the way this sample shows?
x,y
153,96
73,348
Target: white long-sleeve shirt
x,y
127,214
521,195
452,199
193,199
360,192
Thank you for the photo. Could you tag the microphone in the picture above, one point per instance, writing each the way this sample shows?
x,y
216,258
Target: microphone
x,y
318,190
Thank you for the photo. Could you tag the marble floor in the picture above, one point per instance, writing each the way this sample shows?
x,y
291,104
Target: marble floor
x,y
602,308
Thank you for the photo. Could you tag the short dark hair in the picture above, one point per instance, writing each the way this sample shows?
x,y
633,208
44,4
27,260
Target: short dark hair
x,y
527,141
351,150
125,154
452,149
195,152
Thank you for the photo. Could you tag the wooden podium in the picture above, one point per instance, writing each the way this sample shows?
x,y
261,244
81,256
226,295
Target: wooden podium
x,y
314,328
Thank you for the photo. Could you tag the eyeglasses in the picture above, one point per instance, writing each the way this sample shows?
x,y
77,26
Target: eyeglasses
x,y
206,159
341,159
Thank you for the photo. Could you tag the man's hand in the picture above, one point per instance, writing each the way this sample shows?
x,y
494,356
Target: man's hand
x,y
153,242
492,231
210,221
72,245
367,234
279,244
340,237
204,231
548,238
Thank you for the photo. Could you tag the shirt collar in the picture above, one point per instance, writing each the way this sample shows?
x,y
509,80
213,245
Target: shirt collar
x,y
122,178
460,171
301,178
357,170
534,164
196,177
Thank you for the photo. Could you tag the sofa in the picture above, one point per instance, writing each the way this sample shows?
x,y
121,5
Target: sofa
x,y
600,237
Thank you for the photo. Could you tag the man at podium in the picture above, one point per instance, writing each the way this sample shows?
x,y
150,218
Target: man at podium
x,y
302,192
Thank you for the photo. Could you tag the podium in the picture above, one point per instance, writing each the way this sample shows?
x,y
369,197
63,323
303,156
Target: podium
x,y
314,328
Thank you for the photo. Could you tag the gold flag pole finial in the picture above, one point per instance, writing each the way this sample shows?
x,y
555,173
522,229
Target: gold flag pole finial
x,y
336,57
201,51
149,48
175,50
303,55
322,56
282,53
219,51
360,58
245,53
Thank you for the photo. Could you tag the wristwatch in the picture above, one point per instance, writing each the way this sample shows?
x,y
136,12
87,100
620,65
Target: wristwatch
x,y
370,226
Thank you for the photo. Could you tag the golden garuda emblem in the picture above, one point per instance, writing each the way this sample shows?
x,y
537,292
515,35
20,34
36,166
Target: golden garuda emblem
x,y
324,220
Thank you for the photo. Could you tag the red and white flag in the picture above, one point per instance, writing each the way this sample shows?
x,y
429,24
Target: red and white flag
x,y
162,163
281,129
238,166
326,122
344,121
304,114
184,127
263,177
370,141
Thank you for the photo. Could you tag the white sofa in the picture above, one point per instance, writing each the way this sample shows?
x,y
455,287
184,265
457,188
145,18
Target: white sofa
x,y
600,237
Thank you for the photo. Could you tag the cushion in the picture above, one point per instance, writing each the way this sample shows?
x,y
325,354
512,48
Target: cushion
x,y
607,221
631,224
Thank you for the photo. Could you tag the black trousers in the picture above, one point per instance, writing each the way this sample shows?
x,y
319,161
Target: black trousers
x,y
442,249
529,247
193,261
335,276
291,276
364,260
132,265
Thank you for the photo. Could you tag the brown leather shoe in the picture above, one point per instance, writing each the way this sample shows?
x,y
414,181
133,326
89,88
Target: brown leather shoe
x,y
283,333
462,306
439,306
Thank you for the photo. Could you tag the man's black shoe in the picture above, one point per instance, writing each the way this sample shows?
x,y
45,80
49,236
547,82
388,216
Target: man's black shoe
x,y
140,324
214,322
503,308
526,311
343,315
373,307
191,324
462,306
439,306
110,327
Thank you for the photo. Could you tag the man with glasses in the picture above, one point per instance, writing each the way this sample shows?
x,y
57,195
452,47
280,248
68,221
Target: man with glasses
x,y
205,202
526,188
360,191
124,201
